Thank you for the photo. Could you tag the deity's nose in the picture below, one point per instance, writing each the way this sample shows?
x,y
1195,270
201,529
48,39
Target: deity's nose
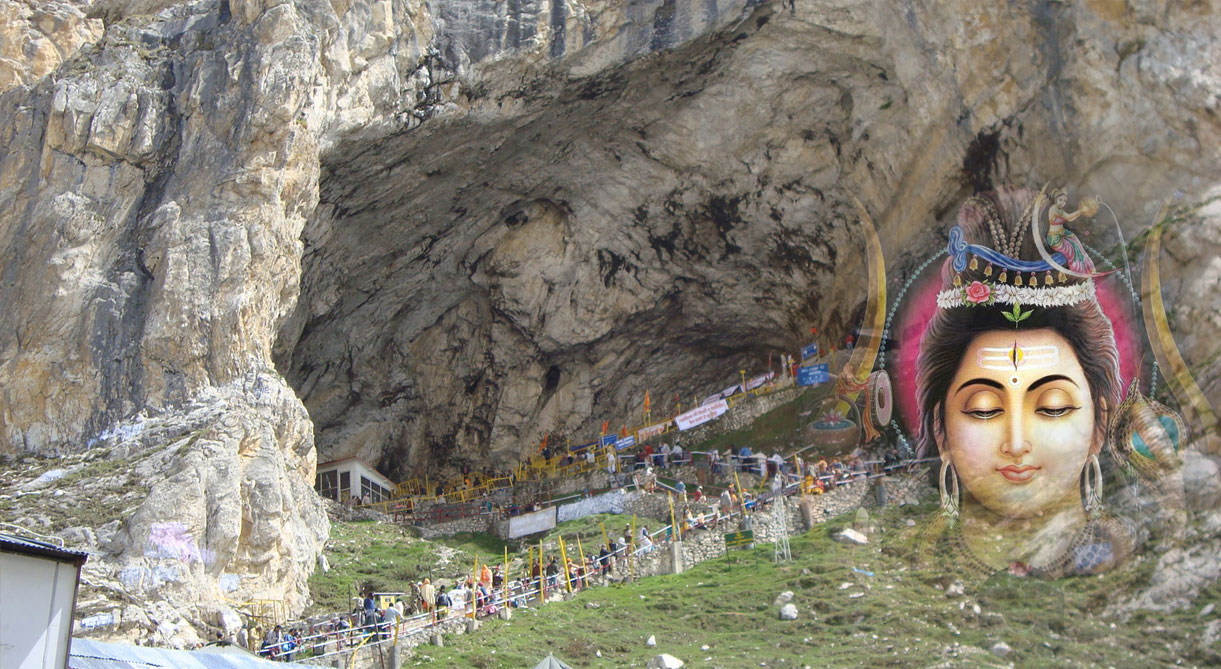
x,y
1016,445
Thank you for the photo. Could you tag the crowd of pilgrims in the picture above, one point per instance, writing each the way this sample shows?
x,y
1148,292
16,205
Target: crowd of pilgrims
x,y
428,602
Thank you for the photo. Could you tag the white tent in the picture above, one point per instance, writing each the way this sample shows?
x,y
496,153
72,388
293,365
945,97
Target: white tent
x,y
550,662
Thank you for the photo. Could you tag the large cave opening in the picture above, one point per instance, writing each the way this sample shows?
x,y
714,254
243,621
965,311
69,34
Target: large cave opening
x,y
534,263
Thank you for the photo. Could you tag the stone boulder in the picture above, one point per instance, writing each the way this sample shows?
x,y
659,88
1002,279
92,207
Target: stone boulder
x,y
851,536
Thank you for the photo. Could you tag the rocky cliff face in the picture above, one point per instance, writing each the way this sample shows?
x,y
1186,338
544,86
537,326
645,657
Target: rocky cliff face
x,y
452,226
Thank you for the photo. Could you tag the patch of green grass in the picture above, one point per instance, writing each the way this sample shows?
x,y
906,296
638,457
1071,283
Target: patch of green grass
x,y
898,616
389,558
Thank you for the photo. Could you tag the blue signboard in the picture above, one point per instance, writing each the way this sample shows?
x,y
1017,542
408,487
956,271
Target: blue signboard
x,y
578,449
813,375
609,439
626,442
809,351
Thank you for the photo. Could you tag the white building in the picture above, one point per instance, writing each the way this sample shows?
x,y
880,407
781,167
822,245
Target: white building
x,y
340,480
37,599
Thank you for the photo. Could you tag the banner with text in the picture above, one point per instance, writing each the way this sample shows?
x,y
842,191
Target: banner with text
x,y
809,351
626,442
701,415
531,523
651,431
760,380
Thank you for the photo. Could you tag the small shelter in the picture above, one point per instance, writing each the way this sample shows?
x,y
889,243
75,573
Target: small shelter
x,y
341,480
37,600
550,662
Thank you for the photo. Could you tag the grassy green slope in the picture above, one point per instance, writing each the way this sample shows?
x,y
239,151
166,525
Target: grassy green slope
x,y
388,558
899,618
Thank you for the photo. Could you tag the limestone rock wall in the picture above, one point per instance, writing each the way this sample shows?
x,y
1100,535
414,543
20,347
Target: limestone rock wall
x,y
553,240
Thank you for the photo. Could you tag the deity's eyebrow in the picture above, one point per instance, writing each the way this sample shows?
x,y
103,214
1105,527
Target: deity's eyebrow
x,y
981,381
1049,379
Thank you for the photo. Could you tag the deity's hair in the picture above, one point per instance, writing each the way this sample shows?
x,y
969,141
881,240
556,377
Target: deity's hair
x,y
1004,213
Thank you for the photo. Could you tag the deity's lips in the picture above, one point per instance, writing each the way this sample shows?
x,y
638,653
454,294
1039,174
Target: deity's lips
x,y
1019,474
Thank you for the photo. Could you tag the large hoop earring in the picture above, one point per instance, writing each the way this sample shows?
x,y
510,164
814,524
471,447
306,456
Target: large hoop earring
x,y
1092,485
949,491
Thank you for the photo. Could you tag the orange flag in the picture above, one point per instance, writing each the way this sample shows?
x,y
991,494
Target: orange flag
x,y
544,444
605,424
646,401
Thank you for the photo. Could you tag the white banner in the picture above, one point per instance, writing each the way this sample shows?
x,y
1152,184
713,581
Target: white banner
x,y
701,415
611,502
531,523
731,390
710,399
759,380
652,430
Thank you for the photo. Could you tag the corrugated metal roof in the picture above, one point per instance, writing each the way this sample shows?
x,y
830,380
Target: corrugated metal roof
x,y
11,543
90,654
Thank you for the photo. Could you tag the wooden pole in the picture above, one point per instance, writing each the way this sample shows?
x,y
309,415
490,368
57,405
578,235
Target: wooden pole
x,y
504,578
673,525
605,537
542,577
581,552
474,585
564,567
631,546
741,495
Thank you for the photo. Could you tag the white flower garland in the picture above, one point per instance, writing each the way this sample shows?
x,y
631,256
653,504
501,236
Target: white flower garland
x,y
1051,296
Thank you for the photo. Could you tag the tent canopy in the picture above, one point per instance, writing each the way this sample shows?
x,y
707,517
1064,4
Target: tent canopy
x,y
550,662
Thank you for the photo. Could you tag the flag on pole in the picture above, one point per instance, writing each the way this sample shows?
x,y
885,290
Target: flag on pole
x,y
605,424
544,444
647,409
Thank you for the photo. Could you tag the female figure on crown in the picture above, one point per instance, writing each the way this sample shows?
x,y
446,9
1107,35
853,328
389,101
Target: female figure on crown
x,y
1016,379
1063,240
